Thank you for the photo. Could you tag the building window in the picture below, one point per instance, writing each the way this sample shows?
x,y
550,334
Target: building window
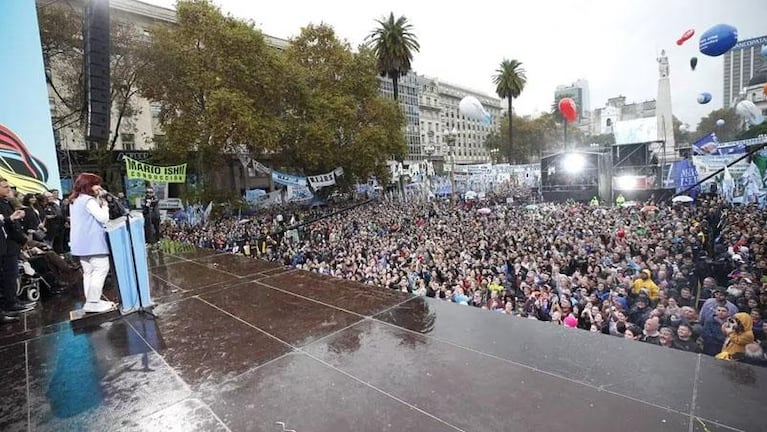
x,y
128,141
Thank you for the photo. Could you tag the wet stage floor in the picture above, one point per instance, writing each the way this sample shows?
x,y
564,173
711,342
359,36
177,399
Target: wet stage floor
x,y
243,345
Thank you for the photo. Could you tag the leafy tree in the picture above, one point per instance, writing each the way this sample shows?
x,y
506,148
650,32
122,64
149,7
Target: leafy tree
x,y
728,132
221,88
509,82
393,44
61,36
681,134
534,138
754,131
338,117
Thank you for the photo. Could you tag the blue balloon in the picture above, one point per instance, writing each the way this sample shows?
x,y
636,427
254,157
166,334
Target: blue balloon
x,y
704,98
718,40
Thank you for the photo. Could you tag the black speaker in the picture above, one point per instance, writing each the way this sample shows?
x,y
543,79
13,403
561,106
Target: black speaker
x,y
97,51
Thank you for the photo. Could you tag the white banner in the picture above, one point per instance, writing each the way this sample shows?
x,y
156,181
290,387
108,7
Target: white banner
x,y
298,193
323,180
707,165
258,166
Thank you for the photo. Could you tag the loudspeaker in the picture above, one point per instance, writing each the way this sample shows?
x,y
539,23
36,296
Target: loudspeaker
x,y
97,51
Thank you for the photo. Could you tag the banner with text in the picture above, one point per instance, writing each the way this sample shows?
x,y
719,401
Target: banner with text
x,y
323,180
154,173
287,179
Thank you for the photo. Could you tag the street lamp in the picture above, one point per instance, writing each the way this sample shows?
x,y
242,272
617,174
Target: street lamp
x,y
451,137
429,149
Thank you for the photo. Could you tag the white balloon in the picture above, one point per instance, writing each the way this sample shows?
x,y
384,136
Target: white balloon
x,y
473,109
720,122
749,112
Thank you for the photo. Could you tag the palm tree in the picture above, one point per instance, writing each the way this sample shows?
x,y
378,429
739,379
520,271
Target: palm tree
x,y
509,82
393,44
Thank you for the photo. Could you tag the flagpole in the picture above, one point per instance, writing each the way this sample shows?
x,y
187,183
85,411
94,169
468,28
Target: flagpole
x,y
720,170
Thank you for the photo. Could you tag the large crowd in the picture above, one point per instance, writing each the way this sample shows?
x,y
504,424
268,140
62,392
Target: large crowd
x,y
689,277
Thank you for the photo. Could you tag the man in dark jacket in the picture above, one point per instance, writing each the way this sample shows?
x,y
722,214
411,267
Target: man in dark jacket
x,y
150,208
13,239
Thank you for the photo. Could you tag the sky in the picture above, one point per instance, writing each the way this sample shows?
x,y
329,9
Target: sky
x,y
611,43
25,110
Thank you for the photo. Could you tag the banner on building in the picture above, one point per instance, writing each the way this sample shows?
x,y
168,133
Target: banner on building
x,y
288,179
154,173
27,150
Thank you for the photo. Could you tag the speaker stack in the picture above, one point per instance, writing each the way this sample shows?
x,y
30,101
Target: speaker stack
x,y
97,51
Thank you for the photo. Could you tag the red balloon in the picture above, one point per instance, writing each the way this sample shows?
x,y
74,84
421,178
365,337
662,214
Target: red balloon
x,y
687,35
568,109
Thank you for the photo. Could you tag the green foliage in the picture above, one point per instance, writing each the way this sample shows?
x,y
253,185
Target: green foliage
x,y
533,138
338,118
393,44
729,132
61,37
509,80
680,136
754,131
221,88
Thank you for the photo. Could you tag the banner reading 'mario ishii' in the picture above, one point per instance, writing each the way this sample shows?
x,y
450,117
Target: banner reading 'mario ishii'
x,y
154,173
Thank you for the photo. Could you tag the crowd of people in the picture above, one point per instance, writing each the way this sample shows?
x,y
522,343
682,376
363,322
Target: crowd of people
x,y
33,226
689,277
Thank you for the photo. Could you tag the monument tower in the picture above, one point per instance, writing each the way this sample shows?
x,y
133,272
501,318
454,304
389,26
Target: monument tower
x,y
663,110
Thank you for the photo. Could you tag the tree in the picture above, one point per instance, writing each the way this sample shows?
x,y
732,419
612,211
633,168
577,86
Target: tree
x,y
338,118
509,80
727,132
61,36
393,44
534,139
220,87
681,135
754,131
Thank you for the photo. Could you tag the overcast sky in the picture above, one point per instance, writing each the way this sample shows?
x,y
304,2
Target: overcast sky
x,y
611,43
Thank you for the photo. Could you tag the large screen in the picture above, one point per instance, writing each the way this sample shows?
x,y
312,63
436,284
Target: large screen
x,y
636,131
27,150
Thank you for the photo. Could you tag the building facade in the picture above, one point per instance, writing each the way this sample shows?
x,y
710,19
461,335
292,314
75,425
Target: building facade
x,y
407,93
578,92
616,109
740,64
139,132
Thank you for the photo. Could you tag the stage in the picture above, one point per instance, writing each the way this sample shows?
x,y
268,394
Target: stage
x,y
243,345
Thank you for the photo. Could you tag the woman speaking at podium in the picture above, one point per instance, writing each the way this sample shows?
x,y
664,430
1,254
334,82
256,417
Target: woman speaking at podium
x,y
88,214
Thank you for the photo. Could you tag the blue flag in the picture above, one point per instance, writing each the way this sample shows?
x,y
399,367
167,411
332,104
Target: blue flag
x,y
685,175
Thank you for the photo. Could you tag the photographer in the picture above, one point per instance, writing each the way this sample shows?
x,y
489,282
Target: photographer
x,y
151,210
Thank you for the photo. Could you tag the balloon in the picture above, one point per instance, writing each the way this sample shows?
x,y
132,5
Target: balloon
x,y
749,112
720,122
704,98
693,63
472,109
687,35
568,109
718,40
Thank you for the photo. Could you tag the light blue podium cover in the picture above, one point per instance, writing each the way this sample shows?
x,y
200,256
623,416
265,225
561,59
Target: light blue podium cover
x,y
120,246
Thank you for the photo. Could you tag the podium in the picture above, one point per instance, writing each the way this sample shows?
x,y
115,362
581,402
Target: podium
x,y
123,247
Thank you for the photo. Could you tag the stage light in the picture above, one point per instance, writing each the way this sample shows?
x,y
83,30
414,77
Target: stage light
x,y
625,182
573,163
